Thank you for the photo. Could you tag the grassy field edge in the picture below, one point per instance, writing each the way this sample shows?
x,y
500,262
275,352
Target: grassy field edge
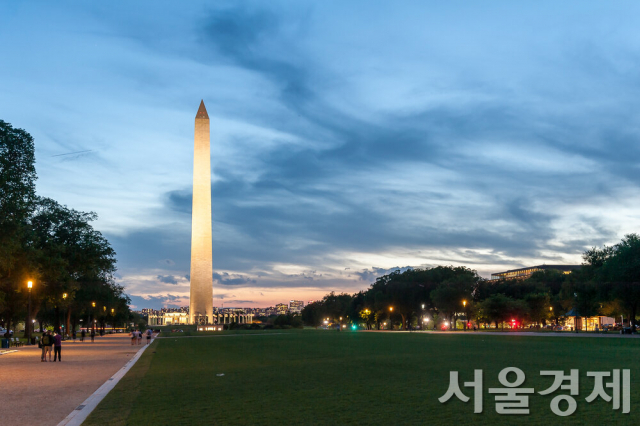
x,y
116,407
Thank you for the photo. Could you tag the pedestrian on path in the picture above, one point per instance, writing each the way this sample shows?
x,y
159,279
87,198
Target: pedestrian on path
x,y
41,346
57,347
148,335
139,337
73,336
93,334
134,337
47,342
82,334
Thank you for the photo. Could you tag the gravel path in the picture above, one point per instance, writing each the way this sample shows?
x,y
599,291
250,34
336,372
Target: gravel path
x,y
44,393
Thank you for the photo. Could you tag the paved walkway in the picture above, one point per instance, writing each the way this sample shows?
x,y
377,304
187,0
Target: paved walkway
x,y
44,393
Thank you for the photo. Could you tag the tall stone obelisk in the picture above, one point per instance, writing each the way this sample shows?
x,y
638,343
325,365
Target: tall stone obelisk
x,y
201,300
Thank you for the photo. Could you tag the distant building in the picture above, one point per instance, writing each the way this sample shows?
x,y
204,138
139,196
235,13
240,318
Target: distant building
x,y
524,273
168,318
180,316
295,306
281,309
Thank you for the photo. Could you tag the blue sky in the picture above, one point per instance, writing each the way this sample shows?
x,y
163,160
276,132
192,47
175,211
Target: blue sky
x,y
348,138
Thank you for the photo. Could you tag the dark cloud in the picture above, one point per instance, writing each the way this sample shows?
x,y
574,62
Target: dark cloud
x,y
169,301
167,279
287,197
232,279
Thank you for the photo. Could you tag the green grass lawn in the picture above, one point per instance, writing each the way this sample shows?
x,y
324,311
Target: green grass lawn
x,y
327,378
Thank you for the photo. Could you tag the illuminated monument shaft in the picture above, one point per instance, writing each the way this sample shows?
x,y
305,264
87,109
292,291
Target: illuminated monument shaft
x,y
201,288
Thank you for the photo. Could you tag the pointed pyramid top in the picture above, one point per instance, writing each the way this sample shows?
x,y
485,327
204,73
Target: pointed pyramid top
x,y
202,111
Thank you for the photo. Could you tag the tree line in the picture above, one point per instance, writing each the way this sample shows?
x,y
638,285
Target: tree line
x,y
70,264
607,284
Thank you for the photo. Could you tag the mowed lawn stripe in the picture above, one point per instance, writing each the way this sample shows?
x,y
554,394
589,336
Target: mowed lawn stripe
x,y
328,377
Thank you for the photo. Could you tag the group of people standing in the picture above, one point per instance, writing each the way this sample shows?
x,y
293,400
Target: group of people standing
x,y
136,336
51,341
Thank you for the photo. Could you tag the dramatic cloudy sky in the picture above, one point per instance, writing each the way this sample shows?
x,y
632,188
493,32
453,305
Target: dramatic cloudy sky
x,y
348,138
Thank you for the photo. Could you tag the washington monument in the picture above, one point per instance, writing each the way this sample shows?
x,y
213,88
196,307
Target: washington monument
x,y
201,294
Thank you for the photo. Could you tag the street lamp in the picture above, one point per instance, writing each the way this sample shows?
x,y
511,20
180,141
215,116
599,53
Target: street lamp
x,y
390,312
93,326
29,285
66,314
466,320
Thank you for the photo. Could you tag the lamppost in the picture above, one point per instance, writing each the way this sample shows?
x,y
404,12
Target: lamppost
x,y
66,311
93,321
113,319
29,285
466,319
390,322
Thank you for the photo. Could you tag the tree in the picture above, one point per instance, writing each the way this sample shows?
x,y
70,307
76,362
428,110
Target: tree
x,y
497,308
620,266
75,260
587,300
449,297
312,314
17,195
538,306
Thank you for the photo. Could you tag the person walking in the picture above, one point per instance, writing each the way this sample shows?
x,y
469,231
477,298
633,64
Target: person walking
x,y
134,337
93,334
47,342
139,337
41,346
57,347
82,334
73,336
148,335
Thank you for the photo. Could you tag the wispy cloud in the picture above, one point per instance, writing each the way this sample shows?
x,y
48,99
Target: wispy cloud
x,y
350,135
